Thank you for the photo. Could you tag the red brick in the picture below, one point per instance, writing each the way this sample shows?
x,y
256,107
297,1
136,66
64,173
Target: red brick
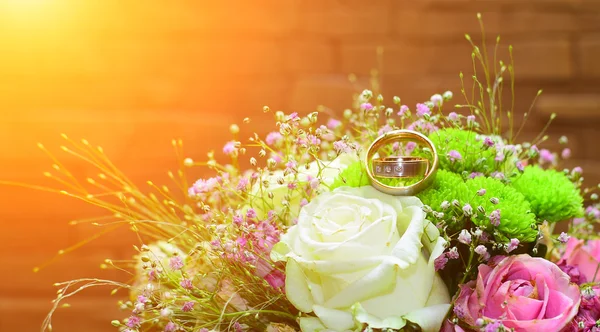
x,y
543,59
444,25
339,18
589,53
309,56
333,91
400,58
572,107
523,22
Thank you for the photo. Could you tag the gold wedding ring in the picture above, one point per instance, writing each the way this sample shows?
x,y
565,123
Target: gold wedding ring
x,y
415,164
400,167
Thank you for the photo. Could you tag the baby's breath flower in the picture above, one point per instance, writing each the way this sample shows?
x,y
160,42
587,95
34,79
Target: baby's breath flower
x,y
464,237
366,106
453,253
403,110
495,218
440,262
563,237
481,192
171,327
230,148
422,110
437,100
512,245
176,263
481,250
445,205
454,155
467,210
447,95
566,153
547,157
471,121
452,116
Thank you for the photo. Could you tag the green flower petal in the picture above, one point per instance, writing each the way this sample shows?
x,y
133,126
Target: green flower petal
x,y
553,197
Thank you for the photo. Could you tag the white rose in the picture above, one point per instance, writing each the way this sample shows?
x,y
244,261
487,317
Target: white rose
x,y
329,171
360,256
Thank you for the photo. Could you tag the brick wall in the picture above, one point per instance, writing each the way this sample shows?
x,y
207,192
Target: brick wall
x,y
131,75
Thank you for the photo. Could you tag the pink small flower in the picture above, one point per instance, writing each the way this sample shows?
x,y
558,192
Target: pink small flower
x,y
452,253
547,157
464,237
453,116
273,138
242,184
475,175
566,153
470,120
423,109
593,212
293,117
437,100
423,126
454,155
495,218
188,306
488,142
333,123
577,171
341,147
563,237
481,250
498,175
481,192
229,148
142,299
384,130
514,243
303,202
251,213
170,327
290,165
366,106
440,262
403,110
520,292
186,283
410,147
133,321
176,263
467,209
519,166
499,156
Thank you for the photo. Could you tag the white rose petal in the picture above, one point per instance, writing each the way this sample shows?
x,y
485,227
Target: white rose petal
x,y
358,255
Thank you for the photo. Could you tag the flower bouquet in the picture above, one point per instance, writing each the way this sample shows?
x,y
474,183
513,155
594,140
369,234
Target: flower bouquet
x,y
386,218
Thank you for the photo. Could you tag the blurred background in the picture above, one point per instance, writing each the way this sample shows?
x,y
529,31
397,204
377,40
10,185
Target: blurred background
x,y
130,75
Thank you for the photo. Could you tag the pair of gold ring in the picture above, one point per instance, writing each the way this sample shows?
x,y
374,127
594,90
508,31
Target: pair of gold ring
x,y
401,167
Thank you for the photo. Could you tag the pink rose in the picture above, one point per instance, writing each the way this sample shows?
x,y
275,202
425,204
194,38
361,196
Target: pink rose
x,y
521,292
585,257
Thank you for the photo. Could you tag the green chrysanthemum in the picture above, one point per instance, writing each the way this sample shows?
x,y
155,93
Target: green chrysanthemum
x,y
516,219
553,197
472,155
446,187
